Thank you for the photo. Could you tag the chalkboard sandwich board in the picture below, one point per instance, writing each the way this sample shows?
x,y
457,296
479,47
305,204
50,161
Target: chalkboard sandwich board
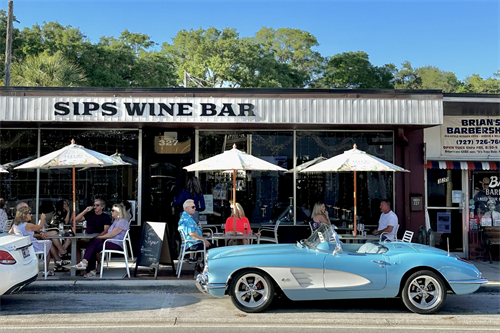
x,y
152,249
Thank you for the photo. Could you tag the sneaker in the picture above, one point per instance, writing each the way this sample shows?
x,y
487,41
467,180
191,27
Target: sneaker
x,y
192,260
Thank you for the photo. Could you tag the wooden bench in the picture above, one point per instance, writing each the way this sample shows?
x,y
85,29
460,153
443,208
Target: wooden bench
x,y
492,238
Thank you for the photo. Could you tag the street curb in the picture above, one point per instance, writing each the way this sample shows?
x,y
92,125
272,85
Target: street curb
x,y
112,286
145,286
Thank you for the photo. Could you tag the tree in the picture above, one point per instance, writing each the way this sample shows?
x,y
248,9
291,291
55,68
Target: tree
x,y
354,70
434,78
407,78
46,70
294,48
476,84
211,56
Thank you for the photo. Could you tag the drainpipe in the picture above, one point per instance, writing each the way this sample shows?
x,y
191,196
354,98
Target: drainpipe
x,y
403,141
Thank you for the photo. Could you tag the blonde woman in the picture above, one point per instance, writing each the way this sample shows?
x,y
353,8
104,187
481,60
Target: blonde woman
x,y
319,215
22,226
116,233
242,223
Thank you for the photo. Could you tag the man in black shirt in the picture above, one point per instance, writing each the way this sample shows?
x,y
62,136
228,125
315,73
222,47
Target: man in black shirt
x,y
97,222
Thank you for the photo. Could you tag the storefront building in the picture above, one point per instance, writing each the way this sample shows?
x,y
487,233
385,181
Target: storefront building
x,y
160,131
463,173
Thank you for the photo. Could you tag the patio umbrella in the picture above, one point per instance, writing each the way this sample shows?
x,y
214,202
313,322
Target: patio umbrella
x,y
2,169
354,160
72,156
232,160
307,164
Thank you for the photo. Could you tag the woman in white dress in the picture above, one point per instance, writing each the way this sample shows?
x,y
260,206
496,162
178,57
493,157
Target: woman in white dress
x,y
22,226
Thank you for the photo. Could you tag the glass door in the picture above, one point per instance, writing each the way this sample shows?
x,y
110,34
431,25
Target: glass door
x,y
445,196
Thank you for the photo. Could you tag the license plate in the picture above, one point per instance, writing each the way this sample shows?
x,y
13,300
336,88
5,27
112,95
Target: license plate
x,y
26,252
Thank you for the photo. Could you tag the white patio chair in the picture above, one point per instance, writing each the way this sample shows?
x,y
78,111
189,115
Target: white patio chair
x,y
269,230
109,252
408,236
129,246
7,225
185,250
395,234
44,258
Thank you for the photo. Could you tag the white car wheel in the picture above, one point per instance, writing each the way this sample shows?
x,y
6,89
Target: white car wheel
x,y
424,292
251,291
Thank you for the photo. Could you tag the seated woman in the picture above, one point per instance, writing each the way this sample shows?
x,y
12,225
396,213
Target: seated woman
x,y
116,232
319,215
22,226
61,214
242,224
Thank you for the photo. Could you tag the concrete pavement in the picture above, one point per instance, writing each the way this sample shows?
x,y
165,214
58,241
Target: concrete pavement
x,y
113,281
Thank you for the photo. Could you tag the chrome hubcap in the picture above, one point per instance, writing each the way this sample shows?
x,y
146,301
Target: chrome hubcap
x,y
251,290
424,292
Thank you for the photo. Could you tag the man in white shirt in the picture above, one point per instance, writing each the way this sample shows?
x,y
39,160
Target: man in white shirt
x,y
388,222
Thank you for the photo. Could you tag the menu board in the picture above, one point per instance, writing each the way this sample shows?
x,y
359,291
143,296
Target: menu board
x,y
150,251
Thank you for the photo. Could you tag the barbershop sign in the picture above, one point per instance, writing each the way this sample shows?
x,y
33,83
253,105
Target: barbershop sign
x,y
470,136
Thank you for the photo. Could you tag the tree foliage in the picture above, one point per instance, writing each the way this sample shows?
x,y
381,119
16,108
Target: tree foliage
x,y
282,57
44,70
354,70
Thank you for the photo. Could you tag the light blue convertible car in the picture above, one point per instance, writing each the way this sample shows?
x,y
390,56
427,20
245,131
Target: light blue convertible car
x,y
322,267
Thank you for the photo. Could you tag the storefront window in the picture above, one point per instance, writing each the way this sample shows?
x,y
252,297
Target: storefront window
x,y
444,199
17,147
486,199
111,184
336,189
263,194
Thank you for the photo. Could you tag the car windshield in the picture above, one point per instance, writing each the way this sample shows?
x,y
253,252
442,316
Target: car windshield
x,y
324,233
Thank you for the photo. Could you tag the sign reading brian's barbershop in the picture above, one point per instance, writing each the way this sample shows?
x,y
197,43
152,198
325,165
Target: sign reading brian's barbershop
x,y
470,136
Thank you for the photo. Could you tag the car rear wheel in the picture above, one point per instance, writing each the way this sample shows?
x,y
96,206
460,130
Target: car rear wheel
x,y
424,292
251,291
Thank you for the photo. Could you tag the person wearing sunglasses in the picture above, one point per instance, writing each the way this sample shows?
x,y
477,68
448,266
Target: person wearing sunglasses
x,y
22,226
116,232
191,230
97,222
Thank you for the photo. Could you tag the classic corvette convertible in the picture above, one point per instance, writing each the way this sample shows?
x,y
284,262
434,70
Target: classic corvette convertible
x,y
321,267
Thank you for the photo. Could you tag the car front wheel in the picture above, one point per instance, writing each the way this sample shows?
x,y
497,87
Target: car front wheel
x,y
252,291
424,292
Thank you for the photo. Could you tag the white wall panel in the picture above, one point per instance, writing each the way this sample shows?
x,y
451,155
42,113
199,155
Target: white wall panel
x,y
353,111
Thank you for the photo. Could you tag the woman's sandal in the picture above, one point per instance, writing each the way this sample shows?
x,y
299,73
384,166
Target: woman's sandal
x,y
63,262
90,274
50,273
59,268
80,266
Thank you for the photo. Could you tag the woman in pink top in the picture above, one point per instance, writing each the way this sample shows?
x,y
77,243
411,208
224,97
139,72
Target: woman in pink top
x,y
242,224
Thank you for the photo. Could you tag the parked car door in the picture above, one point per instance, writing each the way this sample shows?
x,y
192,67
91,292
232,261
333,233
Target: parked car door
x,y
355,271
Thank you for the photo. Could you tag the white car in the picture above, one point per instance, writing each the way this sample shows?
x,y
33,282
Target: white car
x,y
18,263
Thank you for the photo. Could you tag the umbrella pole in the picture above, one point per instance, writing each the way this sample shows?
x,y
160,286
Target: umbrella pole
x,y
234,201
355,228
74,203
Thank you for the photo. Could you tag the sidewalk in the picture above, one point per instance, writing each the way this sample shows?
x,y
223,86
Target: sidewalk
x,y
115,281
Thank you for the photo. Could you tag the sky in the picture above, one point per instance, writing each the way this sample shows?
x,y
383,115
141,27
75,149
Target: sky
x,y
462,37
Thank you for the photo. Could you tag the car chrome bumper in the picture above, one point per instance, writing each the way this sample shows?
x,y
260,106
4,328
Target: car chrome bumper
x,y
213,289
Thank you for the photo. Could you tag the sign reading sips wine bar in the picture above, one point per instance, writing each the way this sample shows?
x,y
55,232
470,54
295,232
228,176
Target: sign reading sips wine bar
x,y
109,109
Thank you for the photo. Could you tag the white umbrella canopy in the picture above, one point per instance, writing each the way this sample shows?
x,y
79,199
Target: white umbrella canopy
x,y
354,160
307,164
233,160
72,156
2,169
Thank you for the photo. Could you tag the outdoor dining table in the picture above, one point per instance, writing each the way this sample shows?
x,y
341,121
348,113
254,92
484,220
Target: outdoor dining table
x,y
357,238
250,237
74,240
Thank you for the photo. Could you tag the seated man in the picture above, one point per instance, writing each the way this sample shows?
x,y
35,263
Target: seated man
x,y
388,222
191,230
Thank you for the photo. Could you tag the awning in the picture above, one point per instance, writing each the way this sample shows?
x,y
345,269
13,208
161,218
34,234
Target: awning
x,y
459,165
